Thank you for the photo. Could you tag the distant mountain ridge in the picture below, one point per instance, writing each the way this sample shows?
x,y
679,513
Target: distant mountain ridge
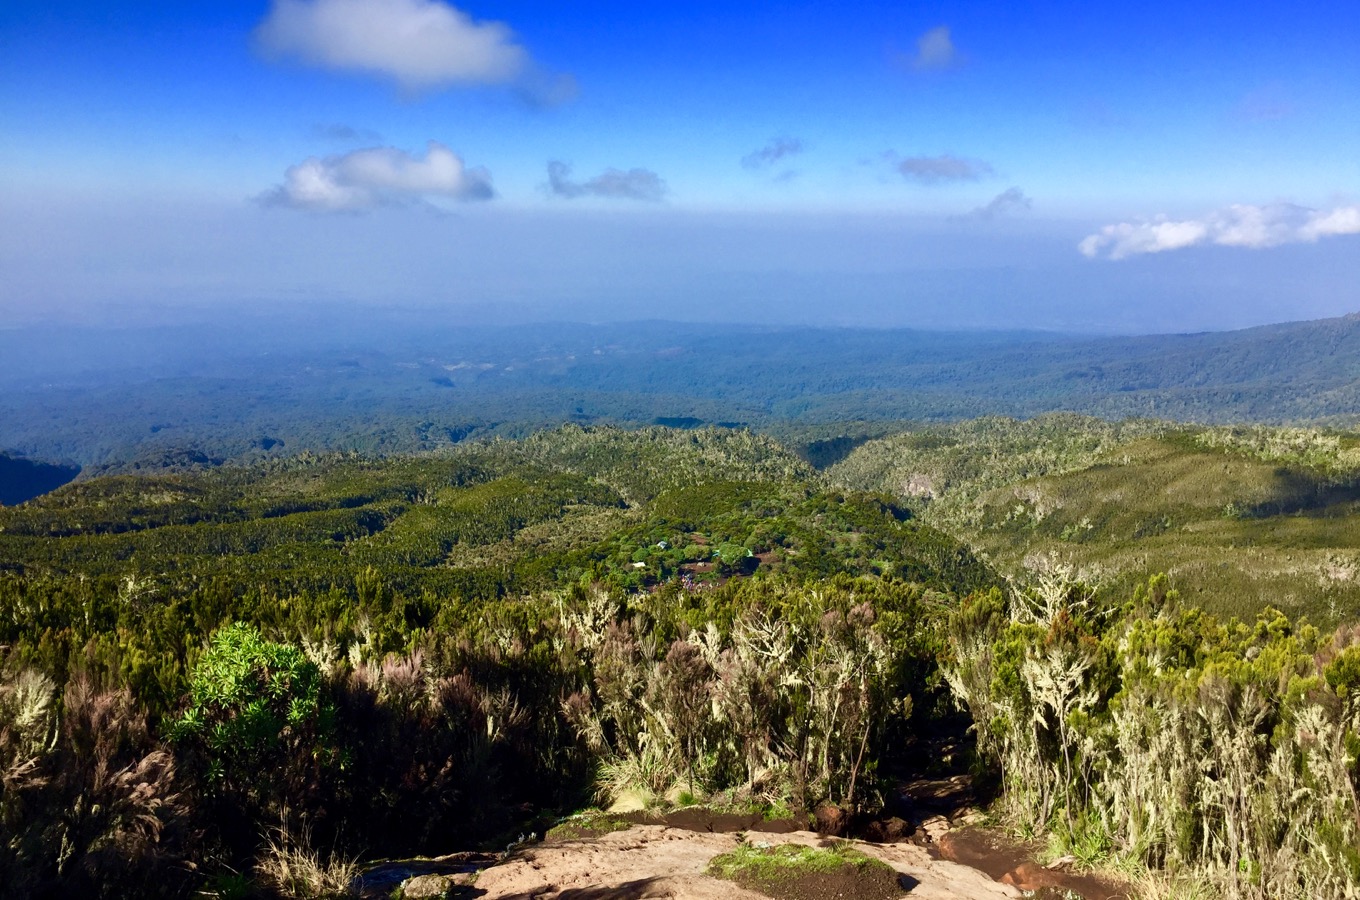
x,y
103,397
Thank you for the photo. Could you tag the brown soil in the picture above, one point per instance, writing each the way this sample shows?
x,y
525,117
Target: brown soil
x,y
950,803
704,820
942,806
1013,863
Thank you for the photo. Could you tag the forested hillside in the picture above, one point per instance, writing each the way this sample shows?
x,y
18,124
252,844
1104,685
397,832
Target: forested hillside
x,y
129,401
1239,518
430,649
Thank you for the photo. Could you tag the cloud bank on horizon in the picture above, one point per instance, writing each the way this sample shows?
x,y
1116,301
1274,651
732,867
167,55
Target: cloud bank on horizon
x,y
1240,225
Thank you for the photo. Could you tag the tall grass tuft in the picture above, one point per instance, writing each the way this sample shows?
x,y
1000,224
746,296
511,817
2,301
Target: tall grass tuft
x,y
291,867
91,803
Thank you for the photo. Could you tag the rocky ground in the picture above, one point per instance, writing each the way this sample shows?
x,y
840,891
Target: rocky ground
x,y
650,862
931,835
653,861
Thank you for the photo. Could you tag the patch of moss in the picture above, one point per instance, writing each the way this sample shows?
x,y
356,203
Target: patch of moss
x,y
789,870
584,825
768,811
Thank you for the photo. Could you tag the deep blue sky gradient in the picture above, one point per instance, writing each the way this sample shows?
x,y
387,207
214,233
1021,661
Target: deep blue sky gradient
x,y
137,138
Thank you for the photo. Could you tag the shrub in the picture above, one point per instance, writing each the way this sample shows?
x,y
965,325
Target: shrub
x,y
1168,738
254,706
790,702
91,805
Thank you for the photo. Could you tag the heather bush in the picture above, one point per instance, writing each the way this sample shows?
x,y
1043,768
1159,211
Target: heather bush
x,y
418,756
791,702
1226,750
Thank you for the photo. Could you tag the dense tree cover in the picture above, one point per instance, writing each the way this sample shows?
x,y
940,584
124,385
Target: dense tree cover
x,y
406,390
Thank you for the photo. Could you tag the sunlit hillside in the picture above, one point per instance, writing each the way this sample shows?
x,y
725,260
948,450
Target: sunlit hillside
x,y
1239,518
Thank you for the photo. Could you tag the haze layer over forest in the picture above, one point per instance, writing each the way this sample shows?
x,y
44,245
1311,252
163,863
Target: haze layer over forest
x,y
279,385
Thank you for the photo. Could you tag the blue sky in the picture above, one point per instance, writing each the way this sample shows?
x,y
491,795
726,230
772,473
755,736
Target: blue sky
x,y
1157,166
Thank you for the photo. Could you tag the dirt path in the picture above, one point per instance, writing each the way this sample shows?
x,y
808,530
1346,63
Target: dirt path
x,y
1013,863
657,861
669,860
938,798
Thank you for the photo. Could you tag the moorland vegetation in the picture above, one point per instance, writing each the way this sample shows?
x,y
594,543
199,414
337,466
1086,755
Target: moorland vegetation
x,y
429,652
1240,517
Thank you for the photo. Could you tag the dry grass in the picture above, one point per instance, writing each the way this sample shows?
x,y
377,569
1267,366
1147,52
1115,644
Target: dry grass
x,y
290,866
1158,886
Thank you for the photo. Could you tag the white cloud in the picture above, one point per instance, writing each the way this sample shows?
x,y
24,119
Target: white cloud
x,y
935,169
935,50
1342,220
378,176
635,184
420,44
1240,225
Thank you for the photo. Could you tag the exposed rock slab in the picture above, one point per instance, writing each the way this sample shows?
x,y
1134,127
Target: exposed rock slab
x,y
652,862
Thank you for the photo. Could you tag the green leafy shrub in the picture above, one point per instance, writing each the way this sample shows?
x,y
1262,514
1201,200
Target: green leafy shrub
x,y
254,706
250,701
